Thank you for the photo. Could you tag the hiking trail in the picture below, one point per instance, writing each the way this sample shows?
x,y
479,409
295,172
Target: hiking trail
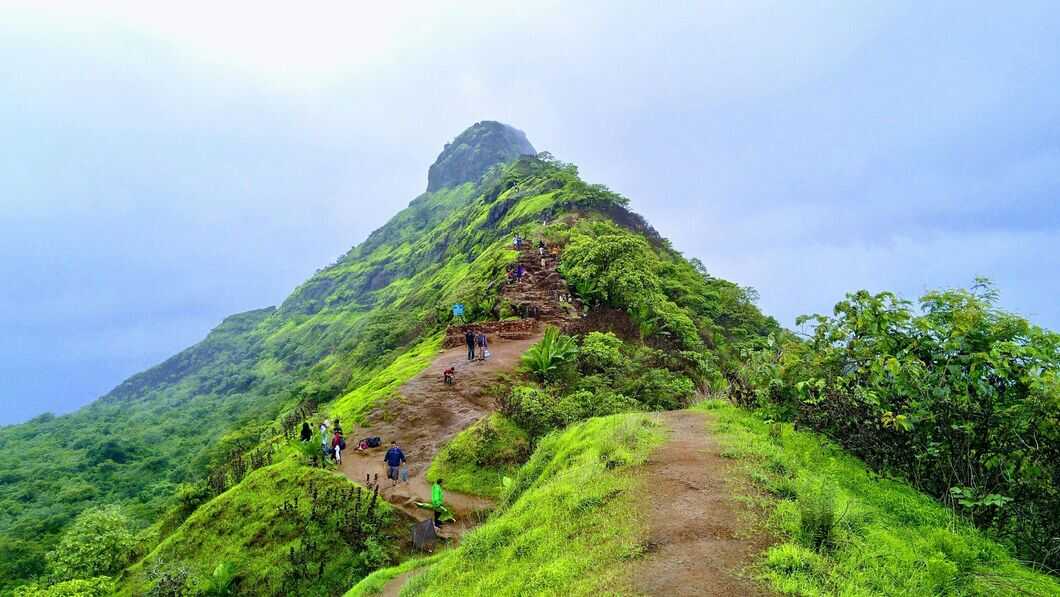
x,y
426,413
698,540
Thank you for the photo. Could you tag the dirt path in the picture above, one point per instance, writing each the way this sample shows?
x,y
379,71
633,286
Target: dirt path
x,y
697,540
422,418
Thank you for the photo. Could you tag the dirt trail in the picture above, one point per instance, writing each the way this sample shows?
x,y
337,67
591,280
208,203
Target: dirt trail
x,y
698,541
422,418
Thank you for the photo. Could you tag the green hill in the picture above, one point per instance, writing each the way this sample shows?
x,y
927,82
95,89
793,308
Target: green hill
x,y
199,453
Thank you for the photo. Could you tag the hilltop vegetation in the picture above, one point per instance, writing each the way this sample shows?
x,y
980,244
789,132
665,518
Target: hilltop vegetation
x,y
960,398
846,531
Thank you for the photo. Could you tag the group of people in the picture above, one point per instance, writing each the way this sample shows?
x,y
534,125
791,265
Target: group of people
x,y
397,469
477,346
332,445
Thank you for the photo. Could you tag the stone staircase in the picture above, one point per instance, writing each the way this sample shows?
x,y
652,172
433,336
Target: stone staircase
x,y
542,294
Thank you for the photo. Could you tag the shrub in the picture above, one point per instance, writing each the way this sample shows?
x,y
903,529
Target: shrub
x,y
583,404
817,518
661,389
97,543
600,351
100,586
532,409
548,356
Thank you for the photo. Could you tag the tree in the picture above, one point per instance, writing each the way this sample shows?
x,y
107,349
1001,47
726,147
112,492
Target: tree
x,y
97,543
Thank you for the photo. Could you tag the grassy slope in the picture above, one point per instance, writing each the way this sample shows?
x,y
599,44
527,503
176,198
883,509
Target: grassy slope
x,y
478,458
244,528
889,539
565,526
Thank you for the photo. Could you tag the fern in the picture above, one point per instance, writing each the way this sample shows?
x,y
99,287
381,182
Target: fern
x,y
547,357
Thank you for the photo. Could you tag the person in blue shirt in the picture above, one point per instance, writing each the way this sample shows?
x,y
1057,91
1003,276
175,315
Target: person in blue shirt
x,y
394,459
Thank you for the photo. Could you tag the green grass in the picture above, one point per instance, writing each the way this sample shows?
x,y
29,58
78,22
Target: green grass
x,y
354,404
479,457
568,522
844,531
244,527
374,583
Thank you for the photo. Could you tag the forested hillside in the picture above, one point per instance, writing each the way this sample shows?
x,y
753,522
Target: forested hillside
x,y
189,478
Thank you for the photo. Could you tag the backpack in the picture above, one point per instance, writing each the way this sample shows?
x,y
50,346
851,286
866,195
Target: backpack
x,y
374,442
342,443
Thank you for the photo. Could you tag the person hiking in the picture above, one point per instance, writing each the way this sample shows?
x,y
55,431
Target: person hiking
x,y
469,337
541,248
518,242
394,458
438,502
447,375
483,347
307,434
324,436
336,446
520,271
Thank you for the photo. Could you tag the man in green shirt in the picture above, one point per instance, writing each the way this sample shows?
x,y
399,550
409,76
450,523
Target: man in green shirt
x,y
437,500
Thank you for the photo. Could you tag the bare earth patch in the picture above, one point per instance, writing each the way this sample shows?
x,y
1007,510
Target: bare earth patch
x,y
698,537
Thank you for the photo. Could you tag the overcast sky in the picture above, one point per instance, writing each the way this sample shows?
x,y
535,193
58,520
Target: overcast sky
x,y
163,168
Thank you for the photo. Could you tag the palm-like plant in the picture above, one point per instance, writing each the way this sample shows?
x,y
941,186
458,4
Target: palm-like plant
x,y
545,358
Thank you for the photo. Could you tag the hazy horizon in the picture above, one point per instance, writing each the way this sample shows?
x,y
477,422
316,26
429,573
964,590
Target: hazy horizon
x,y
166,168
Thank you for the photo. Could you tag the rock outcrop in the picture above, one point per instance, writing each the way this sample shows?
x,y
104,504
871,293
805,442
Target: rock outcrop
x,y
468,157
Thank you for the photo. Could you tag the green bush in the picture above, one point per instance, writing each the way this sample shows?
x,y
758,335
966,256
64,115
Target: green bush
x,y
600,351
548,356
661,389
97,543
100,586
532,409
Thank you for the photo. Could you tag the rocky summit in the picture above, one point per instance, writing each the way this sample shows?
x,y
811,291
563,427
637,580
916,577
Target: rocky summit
x,y
474,151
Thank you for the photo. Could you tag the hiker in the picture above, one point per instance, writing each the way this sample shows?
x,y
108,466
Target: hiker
x,y
324,436
447,375
520,271
336,446
469,337
437,501
483,347
511,276
394,458
541,248
518,242
306,433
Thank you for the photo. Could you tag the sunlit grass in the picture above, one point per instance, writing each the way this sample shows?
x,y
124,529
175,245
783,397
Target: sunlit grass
x,y
568,523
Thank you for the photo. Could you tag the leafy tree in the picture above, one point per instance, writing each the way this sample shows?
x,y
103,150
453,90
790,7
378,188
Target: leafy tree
x,y
960,397
97,543
613,268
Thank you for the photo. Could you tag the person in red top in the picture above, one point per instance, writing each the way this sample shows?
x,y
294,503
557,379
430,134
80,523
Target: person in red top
x,y
336,446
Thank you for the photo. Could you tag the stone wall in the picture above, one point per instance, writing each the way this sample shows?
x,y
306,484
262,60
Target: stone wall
x,y
511,329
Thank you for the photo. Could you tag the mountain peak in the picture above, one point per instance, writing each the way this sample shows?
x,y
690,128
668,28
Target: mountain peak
x,y
473,151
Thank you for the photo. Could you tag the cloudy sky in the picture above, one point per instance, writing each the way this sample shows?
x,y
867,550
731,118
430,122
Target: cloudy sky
x,y
161,168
